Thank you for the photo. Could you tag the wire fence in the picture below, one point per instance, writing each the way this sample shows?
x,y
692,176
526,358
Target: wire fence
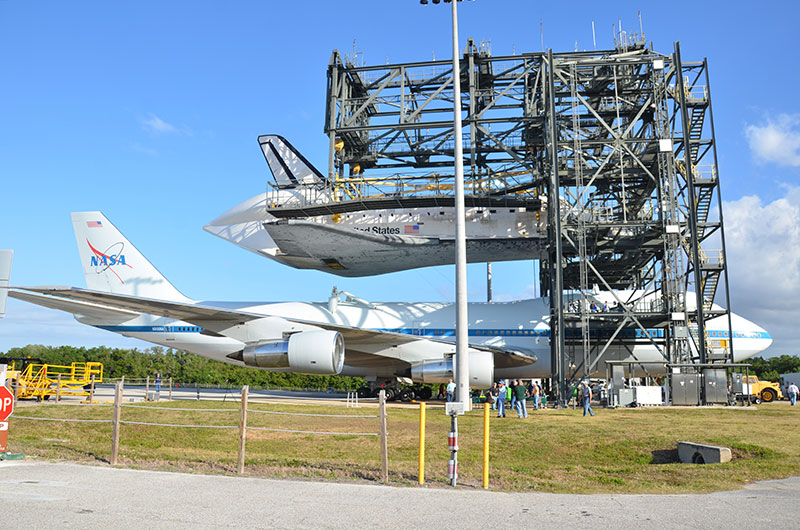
x,y
242,427
314,415
18,417
150,382
174,391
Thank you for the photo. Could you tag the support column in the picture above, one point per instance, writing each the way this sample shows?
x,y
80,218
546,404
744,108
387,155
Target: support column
x,y
555,252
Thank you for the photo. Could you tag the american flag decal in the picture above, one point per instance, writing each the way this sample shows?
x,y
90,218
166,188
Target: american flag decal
x,y
94,224
411,229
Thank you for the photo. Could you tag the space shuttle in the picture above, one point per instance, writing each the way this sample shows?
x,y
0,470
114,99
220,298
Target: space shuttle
x,y
345,335
307,222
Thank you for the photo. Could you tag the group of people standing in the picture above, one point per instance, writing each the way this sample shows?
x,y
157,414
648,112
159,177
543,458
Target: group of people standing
x,y
516,393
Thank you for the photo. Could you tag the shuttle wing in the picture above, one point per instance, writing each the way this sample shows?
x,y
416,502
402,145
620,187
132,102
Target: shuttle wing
x,y
371,249
350,252
299,237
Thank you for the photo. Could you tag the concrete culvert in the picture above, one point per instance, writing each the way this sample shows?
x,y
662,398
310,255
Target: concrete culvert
x,y
696,453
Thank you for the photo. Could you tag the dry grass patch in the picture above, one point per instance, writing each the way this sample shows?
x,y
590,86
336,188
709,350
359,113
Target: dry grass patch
x,y
619,451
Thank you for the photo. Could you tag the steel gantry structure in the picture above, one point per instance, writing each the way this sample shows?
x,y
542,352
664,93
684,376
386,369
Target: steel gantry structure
x,y
616,148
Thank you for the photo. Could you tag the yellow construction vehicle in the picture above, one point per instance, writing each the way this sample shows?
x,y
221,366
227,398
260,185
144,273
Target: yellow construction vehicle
x,y
766,391
16,365
40,381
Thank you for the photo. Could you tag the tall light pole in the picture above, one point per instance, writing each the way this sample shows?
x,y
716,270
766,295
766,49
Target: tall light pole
x,y
461,363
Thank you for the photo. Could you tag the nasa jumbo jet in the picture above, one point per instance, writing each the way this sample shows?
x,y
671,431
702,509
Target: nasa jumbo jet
x,y
346,335
304,223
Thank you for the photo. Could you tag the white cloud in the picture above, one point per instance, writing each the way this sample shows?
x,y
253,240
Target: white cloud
x,y
527,291
763,249
156,125
777,141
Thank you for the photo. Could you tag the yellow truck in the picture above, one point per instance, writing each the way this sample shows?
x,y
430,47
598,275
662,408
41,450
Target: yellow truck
x,y
766,391
16,365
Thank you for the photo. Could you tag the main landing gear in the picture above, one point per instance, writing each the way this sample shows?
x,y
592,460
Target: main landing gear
x,y
395,391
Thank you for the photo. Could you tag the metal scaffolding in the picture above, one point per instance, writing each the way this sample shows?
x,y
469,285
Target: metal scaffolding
x,y
617,145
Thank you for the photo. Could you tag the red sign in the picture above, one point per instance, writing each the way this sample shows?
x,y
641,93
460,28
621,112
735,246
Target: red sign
x,y
6,403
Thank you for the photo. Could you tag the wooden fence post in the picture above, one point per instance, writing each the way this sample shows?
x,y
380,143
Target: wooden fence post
x,y
58,389
243,430
383,435
115,425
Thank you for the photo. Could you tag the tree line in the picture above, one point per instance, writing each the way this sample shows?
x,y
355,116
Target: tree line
x,y
182,367
771,368
188,368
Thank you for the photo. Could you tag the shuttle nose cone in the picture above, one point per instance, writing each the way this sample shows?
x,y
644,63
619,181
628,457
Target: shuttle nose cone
x,y
251,210
242,225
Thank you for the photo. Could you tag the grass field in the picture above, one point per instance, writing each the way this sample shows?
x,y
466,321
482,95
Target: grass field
x,y
619,451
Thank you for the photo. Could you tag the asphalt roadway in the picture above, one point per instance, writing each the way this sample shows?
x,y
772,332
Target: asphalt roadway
x,y
104,393
60,495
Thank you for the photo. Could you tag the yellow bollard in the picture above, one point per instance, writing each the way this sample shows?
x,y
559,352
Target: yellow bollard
x,y
422,443
486,408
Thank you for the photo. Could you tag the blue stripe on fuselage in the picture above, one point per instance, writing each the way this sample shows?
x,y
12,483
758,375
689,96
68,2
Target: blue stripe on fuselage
x,y
450,332
152,329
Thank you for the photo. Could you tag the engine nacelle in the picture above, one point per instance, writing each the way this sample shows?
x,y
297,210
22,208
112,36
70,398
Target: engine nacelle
x,y
481,370
308,352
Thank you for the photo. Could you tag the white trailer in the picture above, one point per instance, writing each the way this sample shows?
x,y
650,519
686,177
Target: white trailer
x,y
788,379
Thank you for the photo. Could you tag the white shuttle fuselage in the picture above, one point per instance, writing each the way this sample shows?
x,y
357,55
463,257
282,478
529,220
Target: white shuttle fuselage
x,y
307,223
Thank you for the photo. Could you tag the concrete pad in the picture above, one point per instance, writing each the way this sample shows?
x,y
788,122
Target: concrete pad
x,y
694,453
60,495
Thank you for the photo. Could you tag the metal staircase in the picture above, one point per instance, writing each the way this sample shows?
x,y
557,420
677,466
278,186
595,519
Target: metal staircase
x,y
697,167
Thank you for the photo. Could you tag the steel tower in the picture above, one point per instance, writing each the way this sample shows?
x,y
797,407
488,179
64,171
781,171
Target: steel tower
x,y
616,148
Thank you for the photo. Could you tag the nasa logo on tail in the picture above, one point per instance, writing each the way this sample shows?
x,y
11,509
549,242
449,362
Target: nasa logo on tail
x,y
111,257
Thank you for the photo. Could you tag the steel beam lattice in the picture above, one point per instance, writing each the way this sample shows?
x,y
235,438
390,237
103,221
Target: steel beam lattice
x,y
618,146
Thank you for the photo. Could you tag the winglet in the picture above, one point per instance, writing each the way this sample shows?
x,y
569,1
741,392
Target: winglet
x,y
5,274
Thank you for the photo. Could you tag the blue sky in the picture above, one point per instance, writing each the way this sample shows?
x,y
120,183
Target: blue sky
x,y
149,111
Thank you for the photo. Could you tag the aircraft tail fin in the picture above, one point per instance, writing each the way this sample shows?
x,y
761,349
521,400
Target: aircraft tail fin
x,y
112,264
288,166
5,275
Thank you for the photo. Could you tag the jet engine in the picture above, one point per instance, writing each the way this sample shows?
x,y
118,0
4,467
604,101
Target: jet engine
x,y
308,352
481,370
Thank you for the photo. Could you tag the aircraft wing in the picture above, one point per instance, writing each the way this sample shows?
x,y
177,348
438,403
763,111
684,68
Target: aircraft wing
x,y
85,309
217,319
187,312
353,337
